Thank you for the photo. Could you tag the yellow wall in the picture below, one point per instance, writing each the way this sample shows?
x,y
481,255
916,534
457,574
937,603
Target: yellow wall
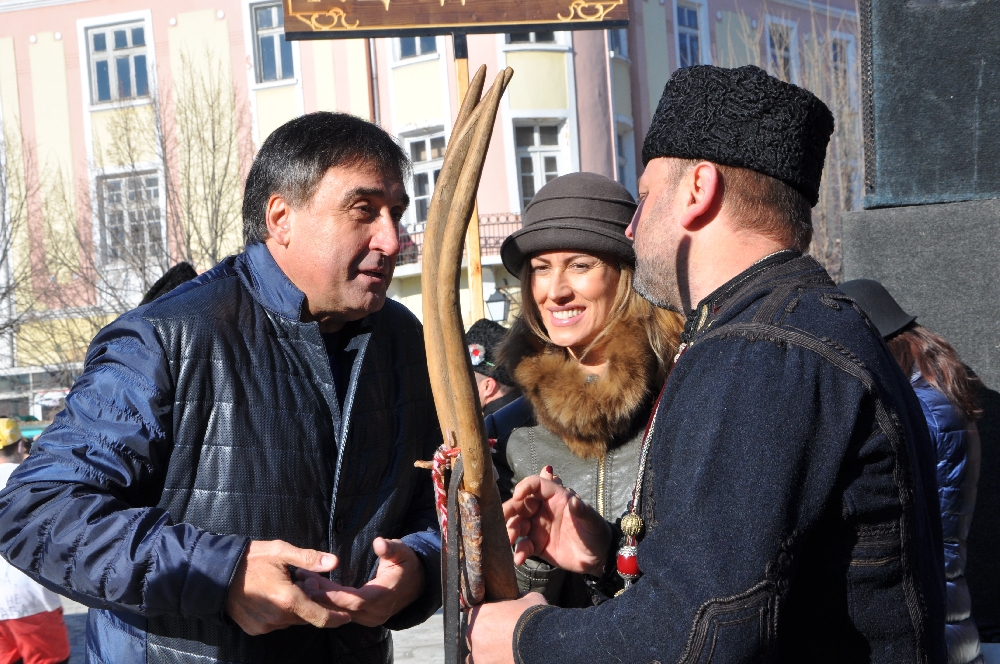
x,y
542,81
654,18
737,42
357,78
407,291
275,107
17,205
110,126
418,95
326,89
57,341
47,60
623,86
201,38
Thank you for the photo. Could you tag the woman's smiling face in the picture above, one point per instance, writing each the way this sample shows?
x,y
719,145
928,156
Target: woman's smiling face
x,y
574,292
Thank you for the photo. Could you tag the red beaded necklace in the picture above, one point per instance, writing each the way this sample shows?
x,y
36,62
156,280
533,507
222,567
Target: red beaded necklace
x,y
632,525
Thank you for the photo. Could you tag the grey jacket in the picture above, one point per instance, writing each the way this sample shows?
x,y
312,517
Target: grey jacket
x,y
523,447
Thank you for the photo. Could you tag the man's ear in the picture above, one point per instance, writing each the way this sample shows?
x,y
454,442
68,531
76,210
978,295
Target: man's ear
x,y
278,217
490,386
701,193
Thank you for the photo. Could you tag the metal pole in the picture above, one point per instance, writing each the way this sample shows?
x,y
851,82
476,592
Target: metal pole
x,y
477,308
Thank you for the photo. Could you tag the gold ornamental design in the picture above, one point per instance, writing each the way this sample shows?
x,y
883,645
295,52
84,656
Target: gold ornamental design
x,y
328,20
383,18
589,10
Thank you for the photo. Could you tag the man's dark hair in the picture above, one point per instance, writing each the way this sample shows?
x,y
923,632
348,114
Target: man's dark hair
x,y
762,204
294,158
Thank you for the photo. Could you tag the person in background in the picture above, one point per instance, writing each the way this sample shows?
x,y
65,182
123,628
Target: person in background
x,y
496,387
32,630
946,391
171,279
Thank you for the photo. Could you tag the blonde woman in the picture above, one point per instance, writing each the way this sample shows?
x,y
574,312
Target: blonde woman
x,y
589,353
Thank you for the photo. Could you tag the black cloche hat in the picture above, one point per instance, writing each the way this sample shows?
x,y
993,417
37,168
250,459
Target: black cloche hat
x,y
882,309
580,211
745,118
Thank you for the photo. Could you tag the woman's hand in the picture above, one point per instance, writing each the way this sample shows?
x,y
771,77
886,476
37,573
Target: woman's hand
x,y
548,520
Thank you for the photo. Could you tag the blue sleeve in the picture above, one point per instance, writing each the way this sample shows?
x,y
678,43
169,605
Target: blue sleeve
x,y
79,515
425,539
950,438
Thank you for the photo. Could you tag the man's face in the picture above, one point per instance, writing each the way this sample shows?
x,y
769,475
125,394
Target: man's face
x,y
342,245
658,241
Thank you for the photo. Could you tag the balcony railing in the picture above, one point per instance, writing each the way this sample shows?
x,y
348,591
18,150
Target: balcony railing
x,y
493,230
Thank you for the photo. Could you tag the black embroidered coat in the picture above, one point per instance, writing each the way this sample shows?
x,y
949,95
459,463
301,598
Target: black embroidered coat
x,y
790,499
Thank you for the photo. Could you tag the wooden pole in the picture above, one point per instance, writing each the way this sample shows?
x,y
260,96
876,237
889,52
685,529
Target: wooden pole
x,y
477,308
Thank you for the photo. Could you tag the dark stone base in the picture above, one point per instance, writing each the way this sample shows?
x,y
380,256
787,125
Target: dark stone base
x,y
942,264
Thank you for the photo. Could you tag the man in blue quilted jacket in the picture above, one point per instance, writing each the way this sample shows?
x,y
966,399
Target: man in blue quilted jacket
x,y
260,419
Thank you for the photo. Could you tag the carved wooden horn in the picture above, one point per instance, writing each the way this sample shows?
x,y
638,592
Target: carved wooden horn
x,y
448,359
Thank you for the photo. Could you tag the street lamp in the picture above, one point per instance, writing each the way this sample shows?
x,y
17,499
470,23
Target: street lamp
x,y
498,306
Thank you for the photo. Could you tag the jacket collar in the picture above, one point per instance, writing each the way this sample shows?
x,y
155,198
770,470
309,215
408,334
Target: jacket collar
x,y
274,290
702,317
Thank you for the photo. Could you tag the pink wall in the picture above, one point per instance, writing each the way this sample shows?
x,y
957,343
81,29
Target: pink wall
x,y
593,106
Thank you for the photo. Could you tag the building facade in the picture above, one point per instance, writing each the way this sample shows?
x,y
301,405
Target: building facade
x,y
128,128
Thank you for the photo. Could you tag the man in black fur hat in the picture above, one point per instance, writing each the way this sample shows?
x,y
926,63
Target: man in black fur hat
x,y
786,503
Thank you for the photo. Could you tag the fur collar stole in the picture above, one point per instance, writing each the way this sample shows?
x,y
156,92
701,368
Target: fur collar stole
x,y
589,413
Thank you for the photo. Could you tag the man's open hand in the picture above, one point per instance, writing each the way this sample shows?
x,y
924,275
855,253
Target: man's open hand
x,y
398,581
557,525
263,598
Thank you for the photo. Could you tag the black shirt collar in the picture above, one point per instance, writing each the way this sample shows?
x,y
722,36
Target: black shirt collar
x,y
699,316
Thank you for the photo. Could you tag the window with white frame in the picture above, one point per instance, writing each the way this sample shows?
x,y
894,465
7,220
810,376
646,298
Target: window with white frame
x,y
618,42
781,50
426,155
547,37
540,159
118,68
272,52
412,47
841,56
131,230
688,36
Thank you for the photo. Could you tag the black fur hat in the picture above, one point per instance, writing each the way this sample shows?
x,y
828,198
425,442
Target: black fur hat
x,y
745,118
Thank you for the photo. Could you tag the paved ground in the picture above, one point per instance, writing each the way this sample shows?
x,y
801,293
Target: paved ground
x,y
420,645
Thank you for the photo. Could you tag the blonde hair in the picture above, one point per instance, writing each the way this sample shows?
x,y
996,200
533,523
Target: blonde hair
x,y
663,328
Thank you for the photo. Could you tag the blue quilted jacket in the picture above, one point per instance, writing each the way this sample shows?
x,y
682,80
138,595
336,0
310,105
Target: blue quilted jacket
x,y
204,420
958,458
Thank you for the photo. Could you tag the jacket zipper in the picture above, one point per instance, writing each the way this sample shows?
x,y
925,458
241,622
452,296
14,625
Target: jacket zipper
x,y
600,486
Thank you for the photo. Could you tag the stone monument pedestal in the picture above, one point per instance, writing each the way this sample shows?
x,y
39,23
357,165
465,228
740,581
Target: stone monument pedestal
x,y
942,264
